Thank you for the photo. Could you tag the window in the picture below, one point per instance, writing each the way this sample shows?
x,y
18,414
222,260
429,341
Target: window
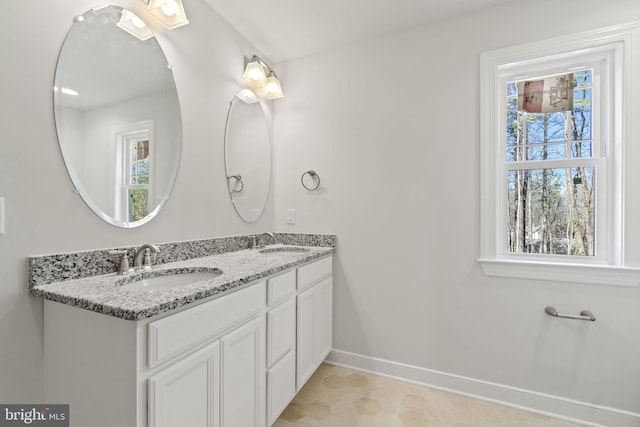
x,y
552,155
550,165
136,180
134,146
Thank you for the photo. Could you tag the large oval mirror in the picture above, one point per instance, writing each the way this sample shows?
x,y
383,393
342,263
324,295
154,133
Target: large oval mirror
x,y
117,116
247,153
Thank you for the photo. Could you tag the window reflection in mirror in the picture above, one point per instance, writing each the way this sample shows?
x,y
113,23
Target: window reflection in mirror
x,y
133,177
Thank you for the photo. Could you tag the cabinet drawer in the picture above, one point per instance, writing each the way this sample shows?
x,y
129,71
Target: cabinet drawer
x,y
281,331
174,334
280,287
311,274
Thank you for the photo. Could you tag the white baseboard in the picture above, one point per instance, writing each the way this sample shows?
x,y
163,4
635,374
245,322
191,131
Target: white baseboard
x,y
582,413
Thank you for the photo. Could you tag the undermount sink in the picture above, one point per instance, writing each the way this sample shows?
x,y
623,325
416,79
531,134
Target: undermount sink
x,y
283,249
161,279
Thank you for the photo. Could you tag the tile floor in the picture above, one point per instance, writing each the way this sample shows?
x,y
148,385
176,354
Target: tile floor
x,y
339,397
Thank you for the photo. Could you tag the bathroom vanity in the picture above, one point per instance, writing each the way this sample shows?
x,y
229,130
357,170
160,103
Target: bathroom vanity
x,y
233,359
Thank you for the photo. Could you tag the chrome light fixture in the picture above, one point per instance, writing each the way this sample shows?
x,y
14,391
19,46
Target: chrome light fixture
x,y
170,13
261,78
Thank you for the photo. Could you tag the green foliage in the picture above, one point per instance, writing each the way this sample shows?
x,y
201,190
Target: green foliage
x,y
139,204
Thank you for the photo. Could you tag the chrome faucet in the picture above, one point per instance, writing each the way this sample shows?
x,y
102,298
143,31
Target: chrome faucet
x,y
123,267
258,241
144,250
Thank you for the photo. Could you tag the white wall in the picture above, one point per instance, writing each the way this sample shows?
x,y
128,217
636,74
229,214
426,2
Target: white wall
x,y
391,125
43,213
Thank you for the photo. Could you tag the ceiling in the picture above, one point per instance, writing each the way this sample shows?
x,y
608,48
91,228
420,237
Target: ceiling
x,y
287,29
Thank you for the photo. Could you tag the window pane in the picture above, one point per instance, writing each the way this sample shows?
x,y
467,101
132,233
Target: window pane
x,y
581,114
547,127
138,203
551,211
551,135
512,122
139,155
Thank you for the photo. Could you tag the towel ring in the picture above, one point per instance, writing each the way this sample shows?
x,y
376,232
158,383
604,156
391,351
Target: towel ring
x,y
238,178
313,175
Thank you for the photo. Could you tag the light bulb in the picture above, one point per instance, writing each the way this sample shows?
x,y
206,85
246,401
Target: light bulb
x,y
167,10
271,87
247,96
133,25
255,75
137,22
170,13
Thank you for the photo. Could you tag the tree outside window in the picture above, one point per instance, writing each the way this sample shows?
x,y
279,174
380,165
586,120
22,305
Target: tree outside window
x,y
138,178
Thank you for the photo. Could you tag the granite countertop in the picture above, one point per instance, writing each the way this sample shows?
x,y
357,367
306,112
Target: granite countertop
x,y
239,269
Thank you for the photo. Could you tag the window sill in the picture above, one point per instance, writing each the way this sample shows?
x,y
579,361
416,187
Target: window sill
x,y
585,274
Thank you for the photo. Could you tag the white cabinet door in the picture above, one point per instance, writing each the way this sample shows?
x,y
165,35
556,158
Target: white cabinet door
x,y
281,386
305,337
243,371
314,333
324,323
187,392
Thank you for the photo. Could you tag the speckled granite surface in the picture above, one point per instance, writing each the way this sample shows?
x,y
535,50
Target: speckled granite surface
x,y
101,294
54,268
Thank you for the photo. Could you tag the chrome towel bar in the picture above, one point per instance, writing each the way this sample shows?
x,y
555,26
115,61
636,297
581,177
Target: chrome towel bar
x,y
584,314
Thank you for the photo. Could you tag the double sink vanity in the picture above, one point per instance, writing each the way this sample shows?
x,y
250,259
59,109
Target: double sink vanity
x,y
204,333
213,334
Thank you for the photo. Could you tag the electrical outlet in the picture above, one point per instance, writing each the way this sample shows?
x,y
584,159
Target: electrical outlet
x,y
291,216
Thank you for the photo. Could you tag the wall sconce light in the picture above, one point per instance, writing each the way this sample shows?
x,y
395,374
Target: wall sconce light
x,y
272,89
254,74
134,25
261,78
170,13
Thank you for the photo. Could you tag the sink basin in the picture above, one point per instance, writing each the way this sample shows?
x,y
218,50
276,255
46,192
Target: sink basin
x,y
162,279
280,249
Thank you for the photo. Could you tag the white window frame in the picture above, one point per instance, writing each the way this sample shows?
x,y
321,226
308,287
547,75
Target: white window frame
x,y
140,130
497,67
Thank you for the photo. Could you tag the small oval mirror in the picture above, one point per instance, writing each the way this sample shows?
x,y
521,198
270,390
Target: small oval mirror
x,y
117,116
247,149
